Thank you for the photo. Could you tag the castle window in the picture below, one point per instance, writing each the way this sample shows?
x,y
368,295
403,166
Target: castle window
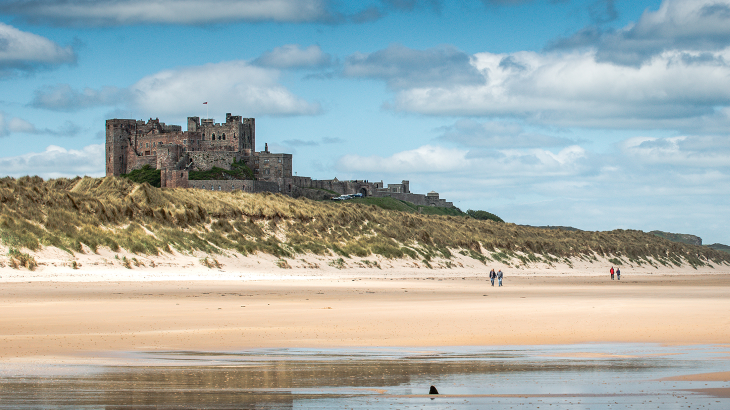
x,y
224,136
147,145
181,175
266,161
213,139
279,160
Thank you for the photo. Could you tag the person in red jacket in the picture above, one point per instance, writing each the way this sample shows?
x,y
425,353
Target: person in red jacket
x,y
611,272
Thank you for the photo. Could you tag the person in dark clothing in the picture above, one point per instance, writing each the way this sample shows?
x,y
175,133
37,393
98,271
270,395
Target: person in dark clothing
x,y
492,276
611,272
618,273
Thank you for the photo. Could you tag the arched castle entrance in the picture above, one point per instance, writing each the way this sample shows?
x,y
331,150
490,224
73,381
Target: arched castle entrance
x,y
364,192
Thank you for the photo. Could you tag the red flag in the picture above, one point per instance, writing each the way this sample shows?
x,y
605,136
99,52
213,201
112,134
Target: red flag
x,y
205,102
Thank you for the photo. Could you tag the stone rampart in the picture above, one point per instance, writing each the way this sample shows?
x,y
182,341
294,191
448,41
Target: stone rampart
x,y
234,185
171,178
416,199
205,160
137,162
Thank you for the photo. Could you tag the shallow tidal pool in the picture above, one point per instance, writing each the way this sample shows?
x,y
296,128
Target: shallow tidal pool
x,y
585,376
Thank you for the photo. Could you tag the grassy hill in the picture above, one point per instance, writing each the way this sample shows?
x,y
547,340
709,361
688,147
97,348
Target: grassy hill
x,y
72,214
679,237
719,247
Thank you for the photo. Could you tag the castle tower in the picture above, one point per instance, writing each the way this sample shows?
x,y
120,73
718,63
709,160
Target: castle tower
x,y
118,134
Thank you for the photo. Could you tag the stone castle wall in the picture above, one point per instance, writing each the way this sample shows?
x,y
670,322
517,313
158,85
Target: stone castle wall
x,y
235,185
416,199
205,160
172,178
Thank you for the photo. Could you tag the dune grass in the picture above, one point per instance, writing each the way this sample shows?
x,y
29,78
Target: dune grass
x,y
72,214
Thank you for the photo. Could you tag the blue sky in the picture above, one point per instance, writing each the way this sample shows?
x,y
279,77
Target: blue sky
x,y
598,114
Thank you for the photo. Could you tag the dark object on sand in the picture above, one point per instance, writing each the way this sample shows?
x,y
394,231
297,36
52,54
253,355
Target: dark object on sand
x,y
433,390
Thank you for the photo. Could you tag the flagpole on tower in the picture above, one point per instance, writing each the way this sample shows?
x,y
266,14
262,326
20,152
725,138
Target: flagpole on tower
x,y
206,109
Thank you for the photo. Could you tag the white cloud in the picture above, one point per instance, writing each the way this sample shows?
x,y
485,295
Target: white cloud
x,y
56,162
429,159
137,12
690,25
13,125
17,125
62,97
497,134
576,90
401,67
235,85
23,51
704,152
293,56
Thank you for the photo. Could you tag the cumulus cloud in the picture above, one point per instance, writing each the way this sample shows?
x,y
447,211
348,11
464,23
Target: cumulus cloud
x,y
574,89
62,97
690,25
293,56
688,151
401,67
138,12
236,85
430,159
15,125
21,51
196,12
497,134
56,162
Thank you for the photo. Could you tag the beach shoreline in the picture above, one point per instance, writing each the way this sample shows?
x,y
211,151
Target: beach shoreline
x,y
357,307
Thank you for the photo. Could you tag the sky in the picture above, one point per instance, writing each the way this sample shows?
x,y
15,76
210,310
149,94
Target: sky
x,y
596,114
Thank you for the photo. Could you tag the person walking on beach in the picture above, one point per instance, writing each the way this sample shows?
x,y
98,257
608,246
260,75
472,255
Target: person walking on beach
x,y
611,272
499,276
492,275
618,273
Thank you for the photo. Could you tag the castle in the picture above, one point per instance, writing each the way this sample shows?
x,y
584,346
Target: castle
x,y
132,144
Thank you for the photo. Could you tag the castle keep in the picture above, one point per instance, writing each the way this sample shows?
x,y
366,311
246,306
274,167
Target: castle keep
x,y
132,144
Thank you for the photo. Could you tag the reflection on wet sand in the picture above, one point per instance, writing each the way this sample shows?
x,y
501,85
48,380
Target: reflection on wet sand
x,y
465,377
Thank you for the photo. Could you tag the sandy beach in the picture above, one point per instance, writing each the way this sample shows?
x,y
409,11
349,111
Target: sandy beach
x,y
59,311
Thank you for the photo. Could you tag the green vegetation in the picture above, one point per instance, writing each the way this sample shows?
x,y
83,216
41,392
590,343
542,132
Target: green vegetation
x,y
484,216
679,237
145,174
81,214
719,247
238,170
403,206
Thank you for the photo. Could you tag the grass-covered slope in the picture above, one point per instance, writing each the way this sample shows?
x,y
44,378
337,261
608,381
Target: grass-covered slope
x,y
117,213
679,237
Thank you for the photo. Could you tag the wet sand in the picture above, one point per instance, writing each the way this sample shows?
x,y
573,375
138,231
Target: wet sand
x,y
56,319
